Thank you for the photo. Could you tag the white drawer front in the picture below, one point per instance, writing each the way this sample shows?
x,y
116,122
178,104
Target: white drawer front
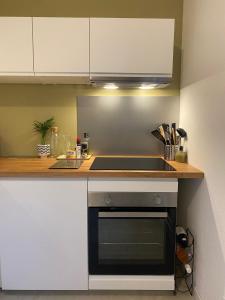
x,y
133,185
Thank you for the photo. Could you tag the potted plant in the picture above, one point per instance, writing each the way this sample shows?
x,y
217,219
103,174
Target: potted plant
x,y
42,128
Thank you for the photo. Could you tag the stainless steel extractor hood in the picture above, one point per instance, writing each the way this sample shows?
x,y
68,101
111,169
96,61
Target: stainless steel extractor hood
x,y
142,81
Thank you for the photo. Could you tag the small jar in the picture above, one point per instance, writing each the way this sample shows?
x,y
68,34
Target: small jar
x,y
181,155
71,154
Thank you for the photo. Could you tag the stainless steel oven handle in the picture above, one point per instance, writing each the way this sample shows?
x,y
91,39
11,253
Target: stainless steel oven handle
x,y
131,214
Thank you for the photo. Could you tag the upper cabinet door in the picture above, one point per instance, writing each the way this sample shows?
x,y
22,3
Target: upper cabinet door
x,y
61,45
16,51
131,46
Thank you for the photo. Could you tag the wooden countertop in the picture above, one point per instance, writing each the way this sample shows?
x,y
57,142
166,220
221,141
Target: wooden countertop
x,y
36,167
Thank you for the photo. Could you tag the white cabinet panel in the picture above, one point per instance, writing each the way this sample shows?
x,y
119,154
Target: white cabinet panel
x,y
131,46
43,234
16,53
168,185
61,45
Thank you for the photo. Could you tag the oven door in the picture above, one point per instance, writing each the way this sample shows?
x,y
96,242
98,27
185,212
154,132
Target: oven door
x,y
132,240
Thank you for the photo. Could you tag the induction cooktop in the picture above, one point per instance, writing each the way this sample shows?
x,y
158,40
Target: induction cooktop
x,y
131,163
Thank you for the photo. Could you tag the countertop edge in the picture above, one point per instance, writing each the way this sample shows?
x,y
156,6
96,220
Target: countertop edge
x,y
34,167
178,175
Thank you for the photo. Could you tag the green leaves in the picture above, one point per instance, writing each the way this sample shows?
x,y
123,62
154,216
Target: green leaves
x,y
42,128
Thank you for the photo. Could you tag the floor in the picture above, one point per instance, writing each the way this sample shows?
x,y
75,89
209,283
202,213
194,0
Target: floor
x,y
92,296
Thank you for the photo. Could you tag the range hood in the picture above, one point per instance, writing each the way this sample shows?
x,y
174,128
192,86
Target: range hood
x,y
142,81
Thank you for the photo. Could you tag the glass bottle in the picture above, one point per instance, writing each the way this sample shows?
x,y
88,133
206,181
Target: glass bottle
x,y
54,142
78,148
85,144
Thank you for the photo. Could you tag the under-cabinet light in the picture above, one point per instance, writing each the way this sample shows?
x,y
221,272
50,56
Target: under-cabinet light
x,y
147,86
110,86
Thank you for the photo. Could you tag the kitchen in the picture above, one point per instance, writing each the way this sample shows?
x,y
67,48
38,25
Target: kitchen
x,y
119,122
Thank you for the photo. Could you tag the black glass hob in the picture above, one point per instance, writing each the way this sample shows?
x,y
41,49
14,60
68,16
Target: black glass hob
x,y
131,163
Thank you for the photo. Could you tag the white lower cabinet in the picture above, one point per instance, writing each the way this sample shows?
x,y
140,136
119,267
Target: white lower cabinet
x,y
43,234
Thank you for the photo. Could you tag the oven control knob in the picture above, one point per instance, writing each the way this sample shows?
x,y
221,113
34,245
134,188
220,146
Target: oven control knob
x,y
157,199
108,200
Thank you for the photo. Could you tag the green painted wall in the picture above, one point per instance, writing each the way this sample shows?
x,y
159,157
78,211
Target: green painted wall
x,y
21,104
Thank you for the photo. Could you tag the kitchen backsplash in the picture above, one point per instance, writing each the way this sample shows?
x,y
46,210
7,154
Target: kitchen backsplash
x,y
122,125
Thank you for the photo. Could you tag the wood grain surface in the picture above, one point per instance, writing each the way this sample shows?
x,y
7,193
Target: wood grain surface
x,y
36,167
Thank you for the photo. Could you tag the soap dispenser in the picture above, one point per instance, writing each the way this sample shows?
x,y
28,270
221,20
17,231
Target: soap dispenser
x,y
181,155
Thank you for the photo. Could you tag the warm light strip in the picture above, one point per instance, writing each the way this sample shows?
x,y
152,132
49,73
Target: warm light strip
x,y
147,86
110,86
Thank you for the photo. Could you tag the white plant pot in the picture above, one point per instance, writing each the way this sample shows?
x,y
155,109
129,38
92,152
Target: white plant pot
x,y
43,150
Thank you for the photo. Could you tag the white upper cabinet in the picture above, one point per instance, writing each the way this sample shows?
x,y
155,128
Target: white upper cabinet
x,y
70,50
61,46
131,46
16,51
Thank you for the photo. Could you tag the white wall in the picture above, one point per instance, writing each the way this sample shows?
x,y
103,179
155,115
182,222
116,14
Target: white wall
x,y
202,114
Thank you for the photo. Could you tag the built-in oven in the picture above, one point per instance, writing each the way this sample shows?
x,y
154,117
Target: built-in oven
x,y
131,233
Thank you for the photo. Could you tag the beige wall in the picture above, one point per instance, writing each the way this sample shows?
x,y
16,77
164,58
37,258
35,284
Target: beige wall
x,y
61,103
20,105
202,114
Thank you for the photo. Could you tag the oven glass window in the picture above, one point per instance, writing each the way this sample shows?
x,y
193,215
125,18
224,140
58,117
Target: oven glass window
x,y
130,241
126,240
